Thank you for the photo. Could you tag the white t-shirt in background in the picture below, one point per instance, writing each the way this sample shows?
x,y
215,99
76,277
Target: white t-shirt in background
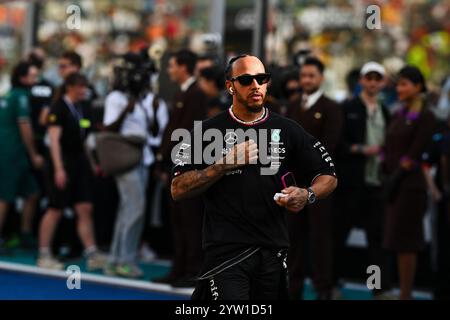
x,y
134,124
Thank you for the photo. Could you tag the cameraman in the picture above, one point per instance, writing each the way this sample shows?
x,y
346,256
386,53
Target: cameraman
x,y
126,112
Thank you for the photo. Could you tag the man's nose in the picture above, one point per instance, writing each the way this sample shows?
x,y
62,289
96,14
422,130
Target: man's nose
x,y
255,84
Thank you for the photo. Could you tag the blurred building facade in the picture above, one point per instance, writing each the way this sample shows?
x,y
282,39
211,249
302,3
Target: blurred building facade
x,y
415,31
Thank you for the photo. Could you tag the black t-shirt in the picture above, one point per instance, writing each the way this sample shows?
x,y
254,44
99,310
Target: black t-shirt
x,y
239,208
40,97
75,124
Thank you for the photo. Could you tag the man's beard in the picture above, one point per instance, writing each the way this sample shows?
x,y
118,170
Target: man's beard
x,y
311,91
256,108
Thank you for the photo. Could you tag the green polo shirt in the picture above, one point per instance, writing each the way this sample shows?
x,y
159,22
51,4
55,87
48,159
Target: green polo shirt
x,y
14,107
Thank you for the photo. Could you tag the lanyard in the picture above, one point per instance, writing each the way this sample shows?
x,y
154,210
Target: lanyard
x,y
73,109
77,115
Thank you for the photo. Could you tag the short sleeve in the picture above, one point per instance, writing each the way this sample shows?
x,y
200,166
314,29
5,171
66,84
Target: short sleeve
x,y
183,157
115,103
22,107
55,116
311,157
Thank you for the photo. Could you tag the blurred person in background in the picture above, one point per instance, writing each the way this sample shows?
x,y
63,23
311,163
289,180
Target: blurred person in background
x,y
408,137
359,197
292,89
439,186
69,174
18,152
186,216
127,110
352,82
40,98
443,105
211,82
41,95
321,117
158,114
205,61
438,157
68,63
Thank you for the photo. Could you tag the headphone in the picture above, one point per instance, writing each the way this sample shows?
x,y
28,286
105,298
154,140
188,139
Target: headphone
x,y
231,90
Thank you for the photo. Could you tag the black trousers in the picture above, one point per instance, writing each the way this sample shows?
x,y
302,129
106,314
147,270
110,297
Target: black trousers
x,y
310,233
363,208
262,276
187,217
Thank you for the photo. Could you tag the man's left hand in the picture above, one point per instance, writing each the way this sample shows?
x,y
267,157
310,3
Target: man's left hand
x,y
295,199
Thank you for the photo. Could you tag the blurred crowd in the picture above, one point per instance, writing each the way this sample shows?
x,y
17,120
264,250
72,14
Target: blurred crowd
x,y
65,192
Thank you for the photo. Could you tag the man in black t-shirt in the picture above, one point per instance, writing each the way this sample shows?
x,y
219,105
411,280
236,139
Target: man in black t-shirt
x,y
69,175
41,95
244,229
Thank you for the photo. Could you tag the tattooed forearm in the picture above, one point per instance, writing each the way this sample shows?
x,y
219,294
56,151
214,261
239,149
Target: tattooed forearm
x,y
193,183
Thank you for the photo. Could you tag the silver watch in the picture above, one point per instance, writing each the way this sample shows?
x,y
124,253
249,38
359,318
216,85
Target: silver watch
x,y
311,196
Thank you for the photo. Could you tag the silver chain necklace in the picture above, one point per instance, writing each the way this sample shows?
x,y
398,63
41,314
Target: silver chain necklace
x,y
248,122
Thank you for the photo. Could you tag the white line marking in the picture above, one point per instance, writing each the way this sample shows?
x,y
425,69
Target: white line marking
x,y
134,284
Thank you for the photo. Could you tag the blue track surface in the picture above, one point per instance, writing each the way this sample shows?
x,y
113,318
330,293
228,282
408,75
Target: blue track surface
x,y
21,286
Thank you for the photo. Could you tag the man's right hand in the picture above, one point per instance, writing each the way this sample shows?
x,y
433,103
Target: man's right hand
x,y
240,155
60,178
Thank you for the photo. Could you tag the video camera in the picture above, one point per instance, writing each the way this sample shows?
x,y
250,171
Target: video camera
x,y
132,73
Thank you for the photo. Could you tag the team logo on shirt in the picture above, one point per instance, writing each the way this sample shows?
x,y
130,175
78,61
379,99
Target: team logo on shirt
x,y
52,118
276,135
41,91
230,138
276,148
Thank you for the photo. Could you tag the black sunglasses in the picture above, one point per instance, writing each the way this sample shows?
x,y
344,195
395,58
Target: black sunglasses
x,y
247,79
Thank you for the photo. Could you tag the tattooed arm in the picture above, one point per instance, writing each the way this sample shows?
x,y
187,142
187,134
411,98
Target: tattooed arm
x,y
195,182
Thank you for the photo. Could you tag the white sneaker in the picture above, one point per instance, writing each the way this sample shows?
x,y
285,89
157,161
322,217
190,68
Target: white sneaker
x,y
96,260
48,262
147,254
